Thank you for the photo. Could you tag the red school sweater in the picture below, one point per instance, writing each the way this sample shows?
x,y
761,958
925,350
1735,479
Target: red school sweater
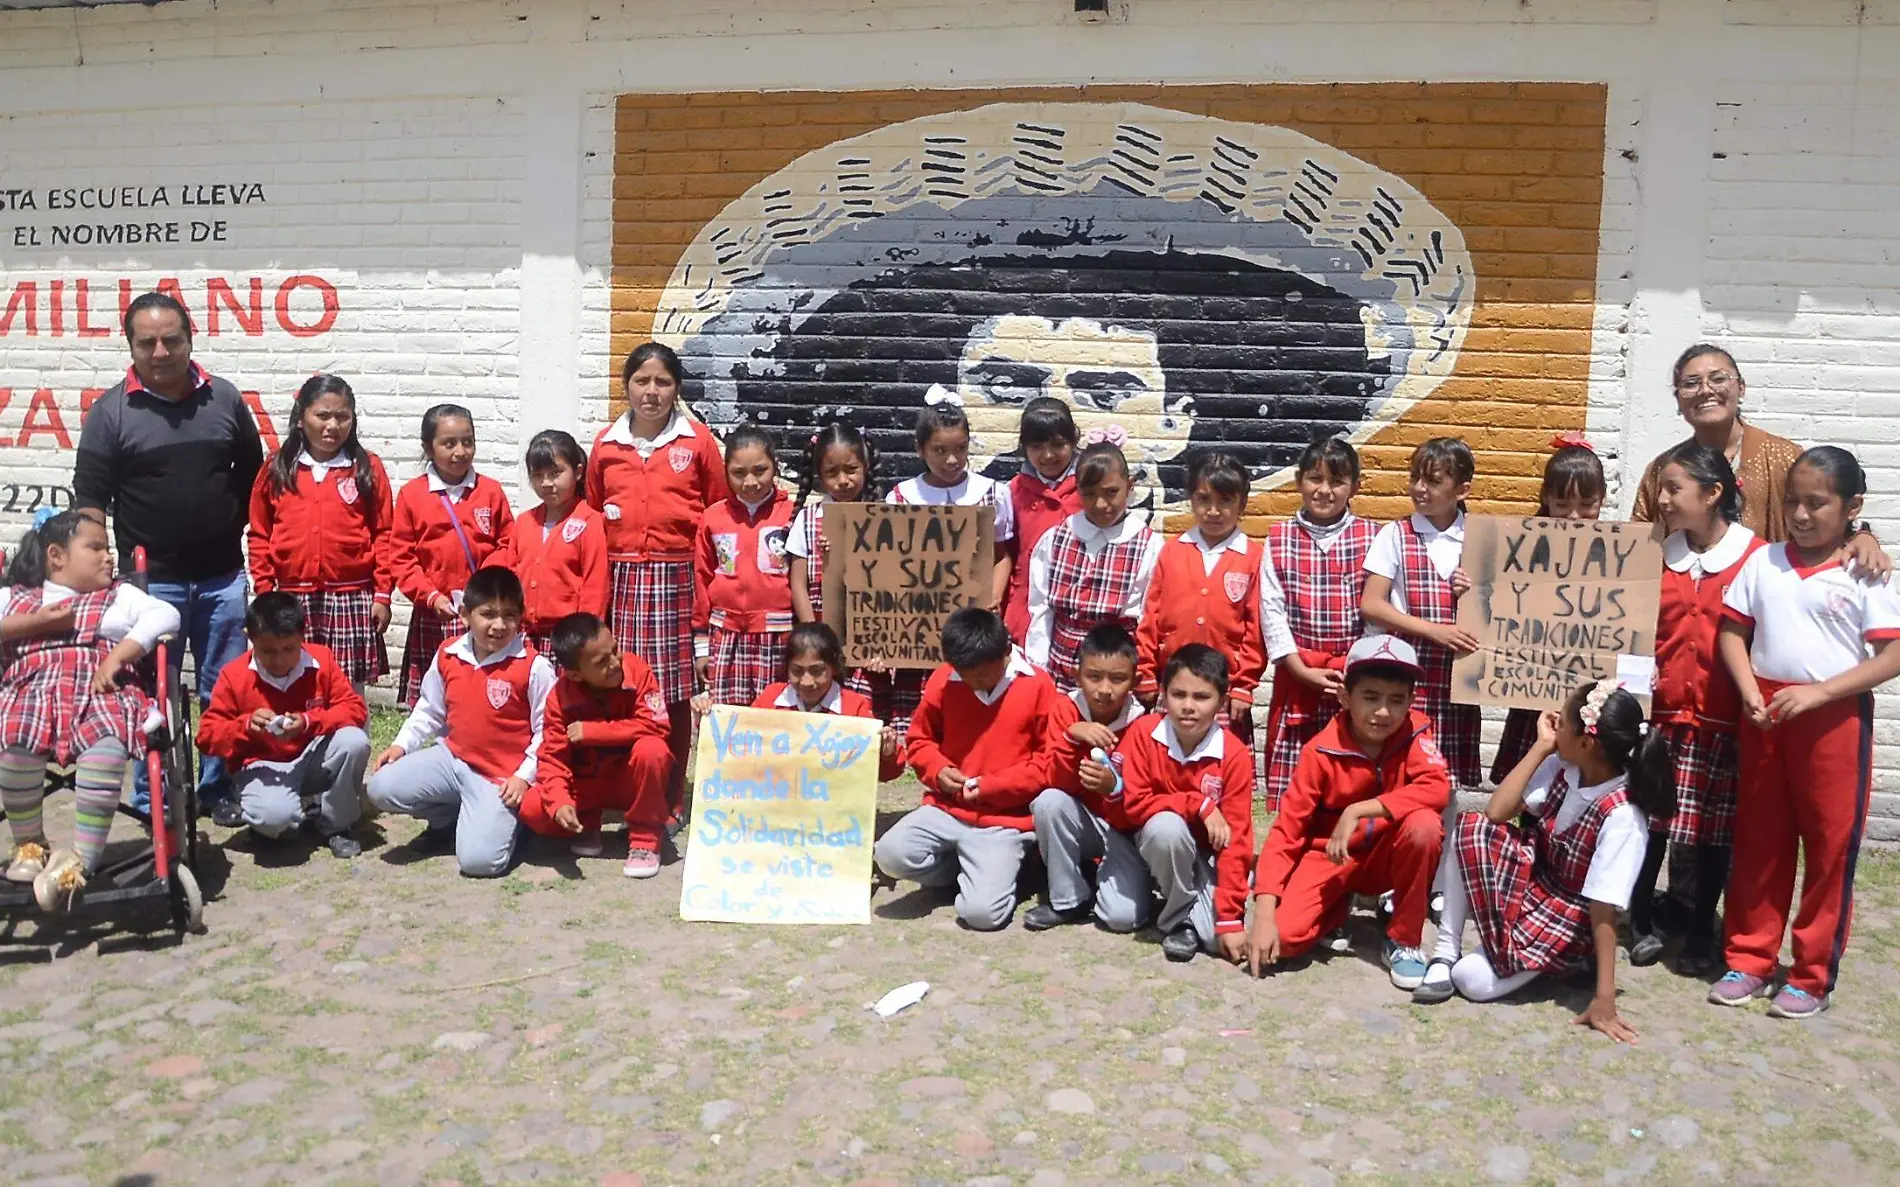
x,y
322,693
1006,743
652,505
1038,507
1186,604
1154,781
743,582
1066,762
563,571
611,722
322,535
1333,774
425,552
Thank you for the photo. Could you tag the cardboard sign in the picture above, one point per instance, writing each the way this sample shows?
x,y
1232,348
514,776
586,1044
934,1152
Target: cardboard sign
x,y
1556,603
894,572
784,806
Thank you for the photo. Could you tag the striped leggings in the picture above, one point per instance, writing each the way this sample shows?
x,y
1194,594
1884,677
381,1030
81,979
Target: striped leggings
x,y
98,781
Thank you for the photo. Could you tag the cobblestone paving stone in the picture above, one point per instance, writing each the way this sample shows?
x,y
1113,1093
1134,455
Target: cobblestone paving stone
x,y
339,1025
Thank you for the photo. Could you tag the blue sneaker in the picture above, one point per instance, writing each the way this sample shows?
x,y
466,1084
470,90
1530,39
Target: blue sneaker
x,y
1406,964
1796,1004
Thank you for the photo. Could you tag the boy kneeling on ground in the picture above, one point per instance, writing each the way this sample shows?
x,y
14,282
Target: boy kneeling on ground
x,y
286,719
1364,815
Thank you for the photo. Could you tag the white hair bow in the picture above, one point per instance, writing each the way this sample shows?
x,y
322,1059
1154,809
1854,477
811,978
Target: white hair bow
x,y
939,394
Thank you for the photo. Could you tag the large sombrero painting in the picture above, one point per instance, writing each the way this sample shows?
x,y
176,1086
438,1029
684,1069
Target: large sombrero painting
x,y
1185,277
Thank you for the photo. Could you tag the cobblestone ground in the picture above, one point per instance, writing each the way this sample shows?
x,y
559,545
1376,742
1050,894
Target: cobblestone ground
x,y
385,1022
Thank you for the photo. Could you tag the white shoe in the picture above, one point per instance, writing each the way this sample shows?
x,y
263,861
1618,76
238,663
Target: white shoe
x,y
29,858
60,883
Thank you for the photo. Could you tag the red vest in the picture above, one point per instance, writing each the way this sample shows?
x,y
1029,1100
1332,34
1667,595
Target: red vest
x,y
1038,507
488,722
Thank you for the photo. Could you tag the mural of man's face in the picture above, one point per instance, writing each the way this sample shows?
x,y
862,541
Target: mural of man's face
x,y
1108,374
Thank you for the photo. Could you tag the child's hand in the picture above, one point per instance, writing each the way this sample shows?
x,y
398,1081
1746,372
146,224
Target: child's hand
x,y
950,781
443,607
972,787
1328,681
47,620
385,758
1233,946
1601,1016
568,818
1756,710
574,733
260,721
1093,734
1263,942
1455,637
876,663
513,789
1794,700
106,678
1339,845
1547,723
1219,832
888,742
1095,778
1238,709
1460,582
1870,561
702,669
702,703
379,616
295,723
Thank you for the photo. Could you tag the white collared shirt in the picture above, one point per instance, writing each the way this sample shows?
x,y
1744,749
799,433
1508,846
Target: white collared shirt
x,y
831,702
1386,556
974,491
802,538
1018,666
677,425
133,614
1131,709
431,712
1212,745
1813,624
1618,857
321,470
1029,468
1094,539
1681,558
1235,542
440,485
305,663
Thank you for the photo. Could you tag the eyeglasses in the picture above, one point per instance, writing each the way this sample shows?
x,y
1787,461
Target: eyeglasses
x,y
1720,381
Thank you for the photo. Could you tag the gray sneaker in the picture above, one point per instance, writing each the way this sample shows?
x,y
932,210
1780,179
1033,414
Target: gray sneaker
x,y
1738,988
1796,1004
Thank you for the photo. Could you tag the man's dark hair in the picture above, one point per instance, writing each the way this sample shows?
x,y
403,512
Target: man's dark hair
x,y
160,301
1200,660
275,613
493,583
1110,640
973,636
571,636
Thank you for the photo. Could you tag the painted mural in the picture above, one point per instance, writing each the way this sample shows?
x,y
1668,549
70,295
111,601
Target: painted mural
x,y
1175,272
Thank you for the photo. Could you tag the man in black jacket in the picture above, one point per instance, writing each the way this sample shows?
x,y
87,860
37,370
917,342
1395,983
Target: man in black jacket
x,y
170,453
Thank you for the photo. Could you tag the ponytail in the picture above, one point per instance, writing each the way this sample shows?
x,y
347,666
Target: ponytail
x,y
28,566
1635,747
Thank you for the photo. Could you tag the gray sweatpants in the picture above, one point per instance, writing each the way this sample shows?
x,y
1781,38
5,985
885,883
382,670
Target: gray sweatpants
x,y
443,791
1183,872
1070,835
933,848
271,794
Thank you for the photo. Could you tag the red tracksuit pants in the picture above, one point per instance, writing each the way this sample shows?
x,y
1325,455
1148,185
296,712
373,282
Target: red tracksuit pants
x,y
635,787
1803,788
1403,859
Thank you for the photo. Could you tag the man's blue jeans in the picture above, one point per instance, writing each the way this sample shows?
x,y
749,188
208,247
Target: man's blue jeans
x,y
213,617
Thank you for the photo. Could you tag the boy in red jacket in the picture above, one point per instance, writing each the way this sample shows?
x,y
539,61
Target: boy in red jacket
x,y
1363,815
1081,818
603,745
1188,786
285,718
979,743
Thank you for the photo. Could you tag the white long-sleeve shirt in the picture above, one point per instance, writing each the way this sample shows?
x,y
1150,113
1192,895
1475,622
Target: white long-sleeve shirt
x,y
1094,539
431,712
133,614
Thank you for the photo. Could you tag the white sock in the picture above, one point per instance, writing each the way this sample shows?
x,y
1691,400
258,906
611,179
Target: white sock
x,y
1457,908
1479,982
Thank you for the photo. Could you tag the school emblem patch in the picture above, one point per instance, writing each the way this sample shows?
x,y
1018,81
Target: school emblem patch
x,y
1429,749
611,511
572,529
1236,585
679,457
499,692
1211,785
656,705
485,520
346,490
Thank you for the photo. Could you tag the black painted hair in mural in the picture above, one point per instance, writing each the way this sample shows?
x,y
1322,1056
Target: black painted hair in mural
x,y
638,356
1573,472
1097,462
1332,456
1221,472
1046,419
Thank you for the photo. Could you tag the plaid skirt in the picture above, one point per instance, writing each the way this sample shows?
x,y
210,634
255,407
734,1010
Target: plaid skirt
x,y
46,712
1456,728
340,620
743,663
543,642
427,633
1284,744
1705,786
896,695
651,611
1523,923
1520,734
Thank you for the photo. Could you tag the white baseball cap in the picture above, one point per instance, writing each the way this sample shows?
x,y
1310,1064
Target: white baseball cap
x,y
1383,649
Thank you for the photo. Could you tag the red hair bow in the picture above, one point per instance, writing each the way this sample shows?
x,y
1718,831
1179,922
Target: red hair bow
x,y
1571,440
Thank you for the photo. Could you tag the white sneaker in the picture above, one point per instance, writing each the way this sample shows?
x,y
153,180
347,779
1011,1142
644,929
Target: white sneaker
x,y
641,863
29,858
1336,940
60,883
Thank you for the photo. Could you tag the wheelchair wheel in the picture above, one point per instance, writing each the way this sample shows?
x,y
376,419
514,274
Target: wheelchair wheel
x,y
188,901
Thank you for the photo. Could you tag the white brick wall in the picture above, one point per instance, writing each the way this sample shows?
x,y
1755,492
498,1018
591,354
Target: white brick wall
x,y
419,157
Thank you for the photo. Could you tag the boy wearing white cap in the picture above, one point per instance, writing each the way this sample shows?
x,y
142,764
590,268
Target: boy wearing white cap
x,y
1363,815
